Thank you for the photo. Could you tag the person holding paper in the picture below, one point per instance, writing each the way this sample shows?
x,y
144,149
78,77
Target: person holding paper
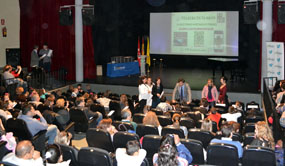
x,y
45,58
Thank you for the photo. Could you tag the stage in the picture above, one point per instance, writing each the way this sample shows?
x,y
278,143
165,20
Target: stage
x,y
196,77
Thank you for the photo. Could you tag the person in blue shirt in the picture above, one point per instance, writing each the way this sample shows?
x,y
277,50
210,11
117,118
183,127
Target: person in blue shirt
x,y
227,133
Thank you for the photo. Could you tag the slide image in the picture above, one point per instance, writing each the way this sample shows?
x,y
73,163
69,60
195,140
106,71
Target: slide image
x,y
180,39
218,41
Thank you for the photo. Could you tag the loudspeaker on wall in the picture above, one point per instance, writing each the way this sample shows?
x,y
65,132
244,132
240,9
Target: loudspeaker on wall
x,y
65,17
251,13
88,16
13,56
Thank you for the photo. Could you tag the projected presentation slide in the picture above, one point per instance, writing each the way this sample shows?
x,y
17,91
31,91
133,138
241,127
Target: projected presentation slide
x,y
194,33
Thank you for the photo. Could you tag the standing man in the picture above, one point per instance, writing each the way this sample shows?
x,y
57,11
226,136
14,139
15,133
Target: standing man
x,y
35,57
45,57
182,92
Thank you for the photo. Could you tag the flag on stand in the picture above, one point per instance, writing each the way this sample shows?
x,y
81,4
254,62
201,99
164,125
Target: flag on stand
x,y
139,51
143,45
147,53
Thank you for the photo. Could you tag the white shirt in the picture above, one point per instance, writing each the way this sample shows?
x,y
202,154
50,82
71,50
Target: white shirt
x,y
64,163
231,117
104,101
143,92
13,159
123,159
163,106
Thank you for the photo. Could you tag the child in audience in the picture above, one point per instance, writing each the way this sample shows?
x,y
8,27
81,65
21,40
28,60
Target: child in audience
x,y
53,156
176,123
132,155
106,125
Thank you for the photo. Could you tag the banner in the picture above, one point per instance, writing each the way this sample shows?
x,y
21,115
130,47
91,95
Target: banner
x,y
275,59
147,53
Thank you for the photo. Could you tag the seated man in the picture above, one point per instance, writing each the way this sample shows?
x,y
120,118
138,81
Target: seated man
x,y
34,125
127,117
181,92
80,104
227,133
24,155
164,105
10,77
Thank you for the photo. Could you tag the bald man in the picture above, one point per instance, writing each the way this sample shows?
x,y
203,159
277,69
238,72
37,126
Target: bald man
x,y
25,155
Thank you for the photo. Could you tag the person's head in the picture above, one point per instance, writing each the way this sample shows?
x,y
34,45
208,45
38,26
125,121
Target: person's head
x,y
132,147
106,125
80,101
231,110
163,99
28,110
143,80
60,102
213,110
8,104
71,87
204,102
7,68
79,86
45,46
36,97
227,130
223,80
181,81
283,87
49,101
149,81
19,90
75,90
176,118
126,114
123,98
207,125
88,87
262,131
107,93
36,47
167,154
24,150
63,138
238,104
210,82
151,119
236,126
158,81
53,154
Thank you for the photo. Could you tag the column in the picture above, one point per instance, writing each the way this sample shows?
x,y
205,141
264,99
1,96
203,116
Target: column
x,y
78,41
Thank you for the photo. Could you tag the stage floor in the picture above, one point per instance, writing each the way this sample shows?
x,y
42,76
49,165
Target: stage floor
x,y
196,78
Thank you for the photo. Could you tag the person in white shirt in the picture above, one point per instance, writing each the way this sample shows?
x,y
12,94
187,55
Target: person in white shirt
x,y
233,114
149,88
164,105
25,155
143,92
132,155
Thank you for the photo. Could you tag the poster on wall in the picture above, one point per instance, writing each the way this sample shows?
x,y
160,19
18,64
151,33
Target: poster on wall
x,y
275,59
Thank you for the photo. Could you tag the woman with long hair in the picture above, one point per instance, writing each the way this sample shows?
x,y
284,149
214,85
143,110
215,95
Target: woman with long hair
x,y
210,92
151,119
263,135
223,97
157,92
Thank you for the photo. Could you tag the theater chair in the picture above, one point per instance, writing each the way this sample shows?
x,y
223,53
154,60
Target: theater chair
x,y
69,153
251,105
248,138
249,127
123,126
254,119
222,154
121,138
187,122
151,144
172,130
3,149
99,139
195,116
82,123
258,156
164,120
157,112
91,156
145,162
21,131
185,109
196,149
143,130
172,112
204,136
138,117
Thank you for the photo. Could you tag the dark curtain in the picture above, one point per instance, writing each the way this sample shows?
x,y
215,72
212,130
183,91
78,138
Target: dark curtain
x,y
39,24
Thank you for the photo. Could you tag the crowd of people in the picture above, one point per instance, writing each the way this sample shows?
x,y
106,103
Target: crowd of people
x,y
50,111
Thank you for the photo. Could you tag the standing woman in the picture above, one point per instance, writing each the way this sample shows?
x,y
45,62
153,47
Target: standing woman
x,y
210,92
143,93
149,89
157,92
223,97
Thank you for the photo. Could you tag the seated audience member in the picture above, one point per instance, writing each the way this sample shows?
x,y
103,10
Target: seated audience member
x,y
104,100
10,77
88,89
34,125
35,100
172,152
280,94
227,133
164,105
63,138
75,93
132,155
238,106
80,104
124,102
252,113
204,105
127,117
176,123
61,108
80,90
236,126
25,155
182,92
54,156
8,107
214,116
263,135
70,90
232,114
151,119
106,125
207,126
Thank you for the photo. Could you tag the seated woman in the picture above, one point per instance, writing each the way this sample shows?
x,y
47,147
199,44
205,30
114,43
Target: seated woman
x,y
106,125
263,135
53,156
176,123
132,155
172,152
207,126
151,119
